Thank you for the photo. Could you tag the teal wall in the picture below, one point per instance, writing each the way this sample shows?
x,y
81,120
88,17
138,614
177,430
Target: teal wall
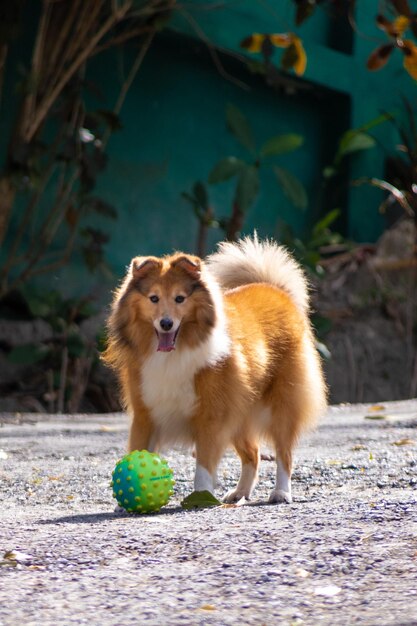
x,y
337,54
175,133
174,128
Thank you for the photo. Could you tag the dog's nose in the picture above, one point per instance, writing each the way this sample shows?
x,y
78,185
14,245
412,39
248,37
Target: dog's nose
x,y
166,323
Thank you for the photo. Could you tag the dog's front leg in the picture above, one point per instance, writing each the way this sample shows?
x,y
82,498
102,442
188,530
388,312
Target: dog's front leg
x,y
210,446
204,479
142,434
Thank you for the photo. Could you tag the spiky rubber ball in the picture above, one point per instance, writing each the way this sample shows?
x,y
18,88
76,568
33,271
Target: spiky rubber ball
x,y
142,482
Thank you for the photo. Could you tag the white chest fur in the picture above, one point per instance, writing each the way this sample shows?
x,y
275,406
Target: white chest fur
x,y
167,383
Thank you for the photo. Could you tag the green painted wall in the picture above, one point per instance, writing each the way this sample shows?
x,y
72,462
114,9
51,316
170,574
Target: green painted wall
x,y
174,128
175,133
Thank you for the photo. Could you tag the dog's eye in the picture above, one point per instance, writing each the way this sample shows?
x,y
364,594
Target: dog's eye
x,y
154,299
179,299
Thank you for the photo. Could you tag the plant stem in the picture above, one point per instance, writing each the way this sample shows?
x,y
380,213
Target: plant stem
x,y
50,98
204,221
7,196
3,57
129,80
235,224
63,380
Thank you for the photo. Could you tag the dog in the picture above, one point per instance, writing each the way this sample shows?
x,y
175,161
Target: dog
x,y
218,353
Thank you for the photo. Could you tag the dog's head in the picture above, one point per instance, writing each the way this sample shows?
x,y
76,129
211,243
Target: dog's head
x,y
170,294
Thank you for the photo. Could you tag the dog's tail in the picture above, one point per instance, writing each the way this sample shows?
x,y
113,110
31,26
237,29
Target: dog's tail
x,y
253,261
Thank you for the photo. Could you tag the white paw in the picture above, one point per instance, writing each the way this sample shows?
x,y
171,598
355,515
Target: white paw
x,y
235,495
279,495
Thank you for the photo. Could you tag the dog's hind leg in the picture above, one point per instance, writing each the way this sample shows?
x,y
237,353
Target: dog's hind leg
x,y
286,420
249,456
289,414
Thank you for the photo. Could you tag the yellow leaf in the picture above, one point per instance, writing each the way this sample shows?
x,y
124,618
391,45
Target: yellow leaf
x,y
400,25
394,29
282,40
301,62
359,446
404,442
377,407
207,607
253,43
410,58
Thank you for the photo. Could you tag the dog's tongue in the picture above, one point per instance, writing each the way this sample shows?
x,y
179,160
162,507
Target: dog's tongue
x,y
166,342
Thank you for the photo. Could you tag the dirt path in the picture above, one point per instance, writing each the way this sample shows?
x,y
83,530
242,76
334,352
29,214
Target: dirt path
x,y
345,552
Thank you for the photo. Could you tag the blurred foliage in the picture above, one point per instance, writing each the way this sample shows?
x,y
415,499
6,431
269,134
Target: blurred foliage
x,y
246,176
396,18
65,357
294,57
56,149
320,240
55,154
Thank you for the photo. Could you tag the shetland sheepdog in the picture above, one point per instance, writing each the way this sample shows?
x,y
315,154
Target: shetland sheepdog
x,y
216,354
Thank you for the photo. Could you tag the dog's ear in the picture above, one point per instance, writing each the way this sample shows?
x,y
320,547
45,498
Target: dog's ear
x,y
141,266
190,264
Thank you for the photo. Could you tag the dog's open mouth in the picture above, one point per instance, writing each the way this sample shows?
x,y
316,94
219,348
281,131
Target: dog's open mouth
x,y
166,340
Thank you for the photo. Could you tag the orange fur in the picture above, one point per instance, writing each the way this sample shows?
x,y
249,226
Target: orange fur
x,y
244,366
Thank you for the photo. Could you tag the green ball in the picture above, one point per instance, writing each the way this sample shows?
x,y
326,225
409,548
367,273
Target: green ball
x,y
142,482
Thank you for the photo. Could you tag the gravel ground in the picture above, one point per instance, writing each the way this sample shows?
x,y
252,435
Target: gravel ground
x,y
345,551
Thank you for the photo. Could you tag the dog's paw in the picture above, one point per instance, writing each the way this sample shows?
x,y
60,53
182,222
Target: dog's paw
x,y
235,495
279,496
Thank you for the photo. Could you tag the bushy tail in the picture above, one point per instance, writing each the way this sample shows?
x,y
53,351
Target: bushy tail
x,y
253,261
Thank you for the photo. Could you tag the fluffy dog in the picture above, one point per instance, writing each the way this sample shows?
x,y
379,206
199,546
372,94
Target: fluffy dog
x,y
218,353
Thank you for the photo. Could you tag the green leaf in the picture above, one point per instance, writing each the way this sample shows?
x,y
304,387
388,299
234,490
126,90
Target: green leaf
x,y
281,144
384,117
200,500
97,205
28,354
376,417
43,303
225,169
292,188
324,223
329,172
322,325
247,187
240,127
76,345
353,141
